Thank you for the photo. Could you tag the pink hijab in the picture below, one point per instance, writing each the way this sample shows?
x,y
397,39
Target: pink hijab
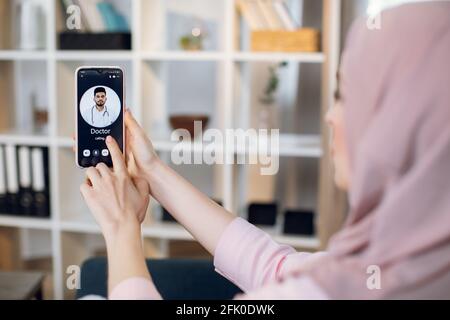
x,y
396,96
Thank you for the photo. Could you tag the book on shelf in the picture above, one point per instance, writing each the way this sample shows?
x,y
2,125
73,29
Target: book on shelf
x,y
270,15
97,16
112,20
285,15
93,17
249,11
267,15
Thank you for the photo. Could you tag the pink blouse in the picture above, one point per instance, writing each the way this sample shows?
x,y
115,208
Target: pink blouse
x,y
249,258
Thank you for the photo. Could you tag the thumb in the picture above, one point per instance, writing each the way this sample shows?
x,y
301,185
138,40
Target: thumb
x,y
132,125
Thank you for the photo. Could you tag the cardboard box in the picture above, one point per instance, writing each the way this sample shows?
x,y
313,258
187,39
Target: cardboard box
x,y
302,40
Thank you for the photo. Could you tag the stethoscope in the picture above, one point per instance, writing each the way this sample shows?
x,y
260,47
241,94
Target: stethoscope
x,y
105,113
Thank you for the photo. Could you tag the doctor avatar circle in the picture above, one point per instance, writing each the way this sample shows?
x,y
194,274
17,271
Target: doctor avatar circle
x,y
100,106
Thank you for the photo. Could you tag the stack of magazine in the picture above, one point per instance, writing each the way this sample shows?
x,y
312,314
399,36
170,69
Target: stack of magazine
x,y
24,181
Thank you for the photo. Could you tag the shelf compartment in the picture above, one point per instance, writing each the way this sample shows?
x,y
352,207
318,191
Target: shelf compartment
x,y
28,250
76,248
179,88
24,104
293,187
11,24
123,7
164,23
305,14
291,105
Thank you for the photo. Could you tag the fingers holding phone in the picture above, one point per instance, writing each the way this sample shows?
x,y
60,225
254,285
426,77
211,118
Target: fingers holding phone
x,y
113,197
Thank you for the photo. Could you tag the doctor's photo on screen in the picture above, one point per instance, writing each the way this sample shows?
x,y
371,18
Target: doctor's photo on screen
x,y
100,106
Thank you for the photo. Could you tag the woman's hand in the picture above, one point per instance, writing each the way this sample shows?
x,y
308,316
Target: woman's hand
x,y
113,196
141,156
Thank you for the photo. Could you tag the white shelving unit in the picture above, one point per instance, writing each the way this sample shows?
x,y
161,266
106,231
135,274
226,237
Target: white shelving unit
x,y
145,67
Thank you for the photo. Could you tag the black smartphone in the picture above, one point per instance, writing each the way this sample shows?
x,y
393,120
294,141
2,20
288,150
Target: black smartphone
x,y
100,98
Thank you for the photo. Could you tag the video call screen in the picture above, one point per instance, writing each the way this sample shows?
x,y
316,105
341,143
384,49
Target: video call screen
x,y
100,113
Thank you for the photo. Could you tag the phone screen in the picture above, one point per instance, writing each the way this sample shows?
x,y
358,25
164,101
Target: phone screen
x,y
99,113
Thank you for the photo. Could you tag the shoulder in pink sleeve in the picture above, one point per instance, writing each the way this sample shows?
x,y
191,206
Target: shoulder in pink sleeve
x,y
250,258
294,288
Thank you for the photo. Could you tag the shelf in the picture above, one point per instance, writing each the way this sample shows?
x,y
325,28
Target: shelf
x,y
65,143
18,55
82,55
80,227
182,56
159,145
25,222
195,147
278,57
306,146
20,139
296,145
77,55
174,231
160,230
302,146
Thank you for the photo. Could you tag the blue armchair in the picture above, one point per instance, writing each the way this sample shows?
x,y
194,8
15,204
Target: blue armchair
x,y
175,279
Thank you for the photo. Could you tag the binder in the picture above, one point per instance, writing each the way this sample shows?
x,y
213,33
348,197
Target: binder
x,y
40,190
2,182
26,199
12,183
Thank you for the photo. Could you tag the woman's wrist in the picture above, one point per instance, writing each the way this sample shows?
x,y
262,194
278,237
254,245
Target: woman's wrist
x,y
127,229
153,171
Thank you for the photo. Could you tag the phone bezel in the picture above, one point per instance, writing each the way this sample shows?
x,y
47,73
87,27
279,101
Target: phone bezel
x,y
76,106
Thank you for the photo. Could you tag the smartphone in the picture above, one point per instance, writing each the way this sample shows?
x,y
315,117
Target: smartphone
x,y
100,98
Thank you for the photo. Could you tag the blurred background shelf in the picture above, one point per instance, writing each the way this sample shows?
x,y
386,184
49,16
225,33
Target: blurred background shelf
x,y
224,81
182,56
77,55
280,57
23,139
23,55
25,222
